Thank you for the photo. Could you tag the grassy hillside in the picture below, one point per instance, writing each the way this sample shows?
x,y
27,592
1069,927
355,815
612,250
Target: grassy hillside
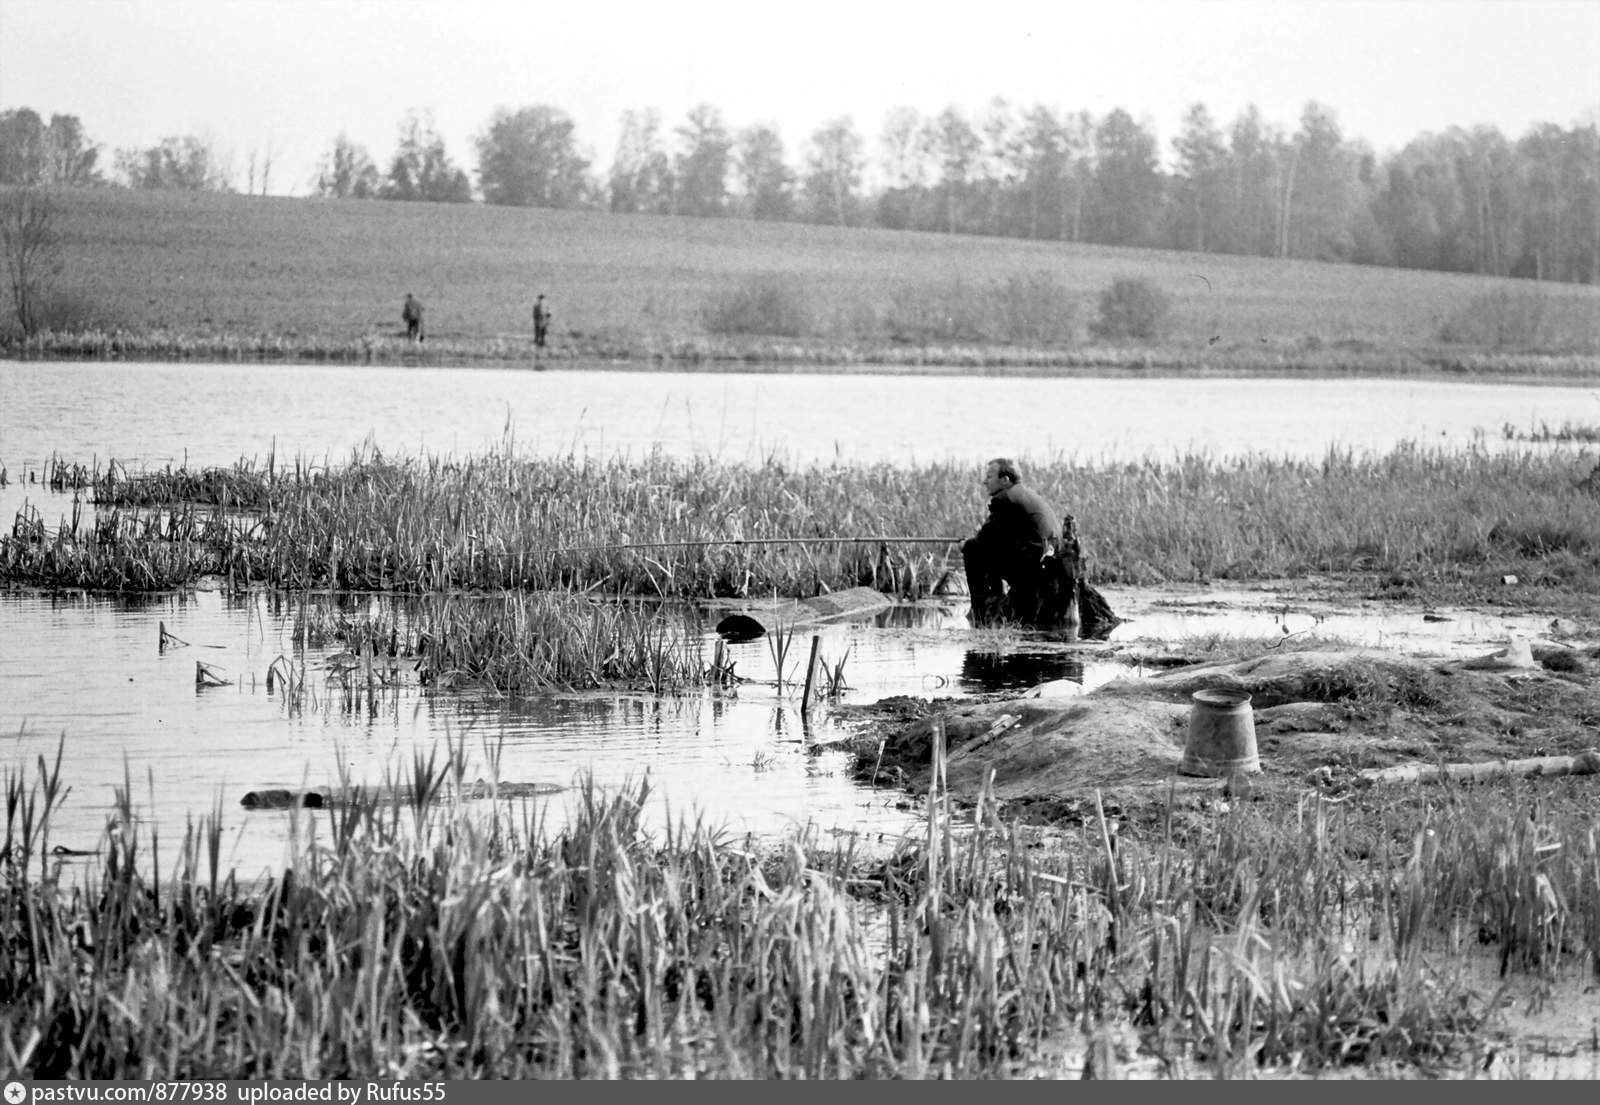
x,y
199,273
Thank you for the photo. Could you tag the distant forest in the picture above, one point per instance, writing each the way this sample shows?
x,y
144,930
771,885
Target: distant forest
x,y
1461,201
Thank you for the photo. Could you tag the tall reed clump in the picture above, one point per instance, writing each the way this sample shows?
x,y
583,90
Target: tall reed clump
x,y
512,643
662,526
414,934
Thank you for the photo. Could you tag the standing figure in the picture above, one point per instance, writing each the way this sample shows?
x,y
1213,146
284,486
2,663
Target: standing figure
x,y
411,314
541,322
1007,551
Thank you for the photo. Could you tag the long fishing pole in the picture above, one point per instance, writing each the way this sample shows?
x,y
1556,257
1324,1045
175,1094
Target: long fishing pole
x,y
762,541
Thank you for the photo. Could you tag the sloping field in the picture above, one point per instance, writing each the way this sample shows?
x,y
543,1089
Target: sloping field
x,y
203,264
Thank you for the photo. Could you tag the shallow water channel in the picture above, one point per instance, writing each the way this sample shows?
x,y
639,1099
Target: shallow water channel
x,y
89,674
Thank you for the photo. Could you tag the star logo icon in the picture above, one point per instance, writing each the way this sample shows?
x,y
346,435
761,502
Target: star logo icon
x,y
16,1093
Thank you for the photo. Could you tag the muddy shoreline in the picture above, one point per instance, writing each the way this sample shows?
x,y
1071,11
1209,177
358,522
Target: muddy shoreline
x,y
1077,770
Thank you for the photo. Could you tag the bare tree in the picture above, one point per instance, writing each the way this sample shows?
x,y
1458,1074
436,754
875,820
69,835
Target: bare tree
x,y
31,244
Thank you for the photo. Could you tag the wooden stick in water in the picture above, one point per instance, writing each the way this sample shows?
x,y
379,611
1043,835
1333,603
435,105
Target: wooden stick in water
x,y
811,675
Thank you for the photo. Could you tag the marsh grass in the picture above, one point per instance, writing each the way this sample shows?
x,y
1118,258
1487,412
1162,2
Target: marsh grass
x,y
665,527
415,935
1569,432
511,643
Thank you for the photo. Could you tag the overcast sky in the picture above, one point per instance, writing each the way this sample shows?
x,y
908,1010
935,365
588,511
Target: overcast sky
x,y
290,74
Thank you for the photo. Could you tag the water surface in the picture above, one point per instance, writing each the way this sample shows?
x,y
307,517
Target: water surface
x,y
88,671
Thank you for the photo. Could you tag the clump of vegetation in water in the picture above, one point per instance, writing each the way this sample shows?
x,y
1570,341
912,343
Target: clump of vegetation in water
x,y
1567,433
514,643
705,529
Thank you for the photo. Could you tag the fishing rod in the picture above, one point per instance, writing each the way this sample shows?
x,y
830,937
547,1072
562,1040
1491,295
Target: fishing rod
x,y
762,541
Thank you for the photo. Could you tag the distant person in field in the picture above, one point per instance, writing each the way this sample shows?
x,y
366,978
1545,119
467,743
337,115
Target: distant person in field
x,y
541,322
1008,549
411,314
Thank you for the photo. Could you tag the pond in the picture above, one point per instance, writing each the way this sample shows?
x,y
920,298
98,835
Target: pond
x,y
154,415
88,672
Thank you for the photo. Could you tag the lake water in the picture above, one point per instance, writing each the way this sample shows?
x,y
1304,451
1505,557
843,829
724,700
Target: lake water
x,y
88,671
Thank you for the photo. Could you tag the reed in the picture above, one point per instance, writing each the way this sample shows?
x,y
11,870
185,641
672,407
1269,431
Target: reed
x,y
1568,432
412,937
511,643
661,526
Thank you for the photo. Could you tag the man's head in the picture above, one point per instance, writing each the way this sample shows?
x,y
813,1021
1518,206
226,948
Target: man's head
x,y
1001,474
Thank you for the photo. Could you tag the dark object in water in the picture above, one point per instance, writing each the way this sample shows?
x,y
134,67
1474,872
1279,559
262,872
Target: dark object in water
x,y
281,800
738,628
1065,604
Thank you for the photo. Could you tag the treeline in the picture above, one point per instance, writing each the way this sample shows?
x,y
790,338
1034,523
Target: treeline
x,y
1461,201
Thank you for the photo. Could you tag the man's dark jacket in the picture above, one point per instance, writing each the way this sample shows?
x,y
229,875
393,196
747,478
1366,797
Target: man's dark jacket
x,y
1021,525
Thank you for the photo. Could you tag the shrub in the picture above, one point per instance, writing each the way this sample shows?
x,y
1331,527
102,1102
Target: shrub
x,y
765,307
74,311
1032,308
1500,319
919,312
1132,308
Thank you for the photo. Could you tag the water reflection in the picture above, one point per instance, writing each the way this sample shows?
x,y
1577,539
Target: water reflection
x,y
1008,671
89,673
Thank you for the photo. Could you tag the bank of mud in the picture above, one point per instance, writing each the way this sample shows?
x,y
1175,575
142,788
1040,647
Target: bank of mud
x,y
1321,716
1095,775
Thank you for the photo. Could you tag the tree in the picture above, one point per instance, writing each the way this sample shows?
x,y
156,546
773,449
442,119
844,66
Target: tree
x,y
768,182
955,147
1421,208
701,168
183,163
347,172
1126,193
1249,223
1000,171
1405,220
1042,155
1561,182
1320,191
904,147
421,169
1202,181
31,245
833,173
641,175
35,154
529,158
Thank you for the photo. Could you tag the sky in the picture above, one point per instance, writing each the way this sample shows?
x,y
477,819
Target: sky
x,y
286,76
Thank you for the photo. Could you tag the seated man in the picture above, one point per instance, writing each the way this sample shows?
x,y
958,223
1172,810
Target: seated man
x,y
1007,551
